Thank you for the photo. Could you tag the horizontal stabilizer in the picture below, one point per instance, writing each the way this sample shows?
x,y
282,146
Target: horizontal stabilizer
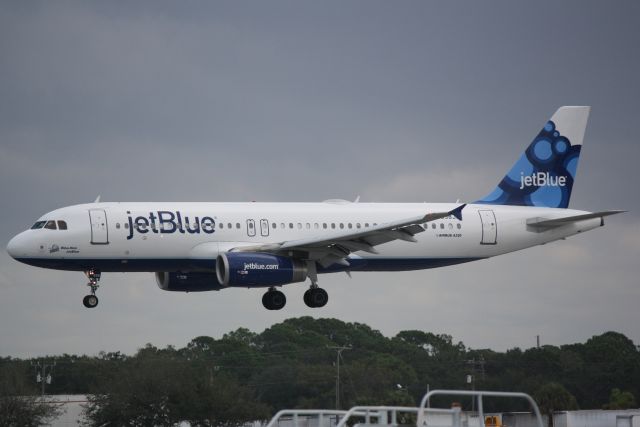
x,y
538,222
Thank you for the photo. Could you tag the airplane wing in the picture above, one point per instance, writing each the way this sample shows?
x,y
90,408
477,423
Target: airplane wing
x,y
546,223
334,248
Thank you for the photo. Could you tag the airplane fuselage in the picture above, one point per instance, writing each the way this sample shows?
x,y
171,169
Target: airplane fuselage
x,y
127,237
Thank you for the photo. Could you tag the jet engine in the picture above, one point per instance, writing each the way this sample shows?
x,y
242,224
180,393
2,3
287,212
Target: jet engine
x,y
187,282
258,269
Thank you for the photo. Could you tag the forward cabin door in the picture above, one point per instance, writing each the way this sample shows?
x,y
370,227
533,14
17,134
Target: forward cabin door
x,y
489,227
99,228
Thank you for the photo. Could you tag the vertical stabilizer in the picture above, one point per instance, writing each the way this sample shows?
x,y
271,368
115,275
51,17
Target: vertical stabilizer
x,y
545,173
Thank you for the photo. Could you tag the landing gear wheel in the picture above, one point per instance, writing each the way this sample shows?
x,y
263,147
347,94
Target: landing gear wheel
x,y
274,300
316,297
90,301
307,298
93,275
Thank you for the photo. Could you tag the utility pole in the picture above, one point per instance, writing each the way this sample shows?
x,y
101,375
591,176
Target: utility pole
x,y
42,376
338,357
476,366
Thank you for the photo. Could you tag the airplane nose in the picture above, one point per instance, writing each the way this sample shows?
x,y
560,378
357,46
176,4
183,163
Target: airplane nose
x,y
15,246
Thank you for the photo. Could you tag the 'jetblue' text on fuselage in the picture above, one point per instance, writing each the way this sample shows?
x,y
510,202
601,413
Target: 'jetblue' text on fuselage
x,y
167,222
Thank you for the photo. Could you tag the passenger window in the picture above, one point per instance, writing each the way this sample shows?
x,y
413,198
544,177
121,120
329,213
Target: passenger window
x,y
126,225
324,225
38,224
282,225
442,225
341,225
433,225
117,226
349,225
450,226
299,226
308,225
366,224
51,225
229,225
290,225
358,225
274,225
315,225
220,225
238,225
333,225
459,226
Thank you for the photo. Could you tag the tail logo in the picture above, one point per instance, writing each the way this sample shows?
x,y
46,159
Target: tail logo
x,y
541,179
543,176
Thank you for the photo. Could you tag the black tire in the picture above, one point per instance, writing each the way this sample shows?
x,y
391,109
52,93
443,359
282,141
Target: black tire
x,y
307,298
319,297
90,301
278,300
266,301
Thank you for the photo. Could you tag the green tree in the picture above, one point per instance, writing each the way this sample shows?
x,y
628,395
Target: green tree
x,y
19,404
552,397
158,387
620,400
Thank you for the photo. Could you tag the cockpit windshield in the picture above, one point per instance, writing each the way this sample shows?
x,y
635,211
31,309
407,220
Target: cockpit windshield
x,y
50,225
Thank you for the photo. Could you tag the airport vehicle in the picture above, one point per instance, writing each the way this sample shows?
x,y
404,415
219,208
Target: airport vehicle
x,y
424,415
213,246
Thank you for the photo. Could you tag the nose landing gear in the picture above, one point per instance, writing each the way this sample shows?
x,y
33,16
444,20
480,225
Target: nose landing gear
x,y
90,301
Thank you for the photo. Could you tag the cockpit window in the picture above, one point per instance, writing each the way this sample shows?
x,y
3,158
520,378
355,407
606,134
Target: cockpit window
x,y
38,224
62,225
51,225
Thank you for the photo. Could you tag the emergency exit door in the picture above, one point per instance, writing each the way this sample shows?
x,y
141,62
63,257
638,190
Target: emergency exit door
x,y
489,227
264,227
99,227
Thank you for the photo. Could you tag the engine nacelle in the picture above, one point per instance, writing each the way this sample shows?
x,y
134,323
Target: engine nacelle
x,y
187,282
258,269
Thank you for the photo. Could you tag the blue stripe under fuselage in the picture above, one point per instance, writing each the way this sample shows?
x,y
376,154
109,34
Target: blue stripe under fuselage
x,y
162,264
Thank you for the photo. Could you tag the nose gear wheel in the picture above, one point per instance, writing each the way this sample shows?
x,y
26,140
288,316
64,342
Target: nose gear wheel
x,y
90,301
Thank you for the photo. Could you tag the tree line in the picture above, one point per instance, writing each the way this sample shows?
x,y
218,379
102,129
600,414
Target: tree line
x,y
247,376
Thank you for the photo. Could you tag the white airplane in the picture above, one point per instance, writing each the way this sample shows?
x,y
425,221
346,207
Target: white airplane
x,y
213,246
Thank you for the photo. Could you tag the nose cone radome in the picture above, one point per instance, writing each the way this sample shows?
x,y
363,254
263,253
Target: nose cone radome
x,y
16,247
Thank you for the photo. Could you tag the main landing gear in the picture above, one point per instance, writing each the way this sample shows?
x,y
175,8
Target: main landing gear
x,y
273,299
91,301
315,296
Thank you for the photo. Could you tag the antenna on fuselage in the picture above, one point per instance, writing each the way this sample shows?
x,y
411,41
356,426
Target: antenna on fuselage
x,y
97,200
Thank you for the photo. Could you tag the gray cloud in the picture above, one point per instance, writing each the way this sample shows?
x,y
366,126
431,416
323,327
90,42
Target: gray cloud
x,y
307,101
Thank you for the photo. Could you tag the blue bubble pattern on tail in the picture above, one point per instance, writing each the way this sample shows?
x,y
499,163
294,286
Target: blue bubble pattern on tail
x,y
543,176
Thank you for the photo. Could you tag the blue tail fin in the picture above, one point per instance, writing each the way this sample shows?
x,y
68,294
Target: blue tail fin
x,y
545,173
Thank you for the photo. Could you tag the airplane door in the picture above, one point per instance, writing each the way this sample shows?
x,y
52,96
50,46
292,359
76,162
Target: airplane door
x,y
489,227
251,228
99,229
264,227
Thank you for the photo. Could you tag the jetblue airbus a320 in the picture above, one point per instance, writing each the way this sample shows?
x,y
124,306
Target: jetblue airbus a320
x,y
212,246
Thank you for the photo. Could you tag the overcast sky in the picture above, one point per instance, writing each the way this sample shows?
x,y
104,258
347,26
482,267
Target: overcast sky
x,y
304,101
